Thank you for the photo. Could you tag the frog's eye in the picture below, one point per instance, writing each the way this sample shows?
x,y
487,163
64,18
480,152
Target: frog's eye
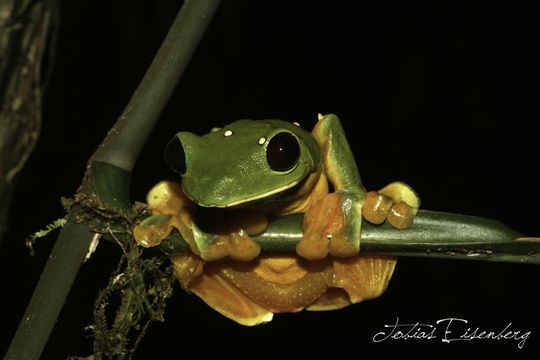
x,y
175,156
282,151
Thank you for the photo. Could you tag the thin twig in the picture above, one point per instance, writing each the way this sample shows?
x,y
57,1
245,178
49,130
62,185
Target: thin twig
x,y
433,234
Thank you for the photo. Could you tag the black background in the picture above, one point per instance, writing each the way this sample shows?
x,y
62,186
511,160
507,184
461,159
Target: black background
x,y
441,95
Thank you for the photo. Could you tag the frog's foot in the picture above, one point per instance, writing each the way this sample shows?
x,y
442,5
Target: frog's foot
x,y
170,209
332,226
396,203
218,234
152,230
363,277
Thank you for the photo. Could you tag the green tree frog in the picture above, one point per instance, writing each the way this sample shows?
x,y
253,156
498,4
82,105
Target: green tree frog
x,y
233,178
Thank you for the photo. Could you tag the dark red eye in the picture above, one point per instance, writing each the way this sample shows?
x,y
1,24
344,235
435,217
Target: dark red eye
x,y
175,156
282,152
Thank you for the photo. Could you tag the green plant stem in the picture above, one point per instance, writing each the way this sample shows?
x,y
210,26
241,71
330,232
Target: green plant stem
x,y
107,177
433,234
127,137
50,293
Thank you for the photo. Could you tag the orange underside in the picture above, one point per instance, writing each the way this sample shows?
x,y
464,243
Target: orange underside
x,y
250,292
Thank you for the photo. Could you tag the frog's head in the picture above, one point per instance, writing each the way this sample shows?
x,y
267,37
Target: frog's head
x,y
243,162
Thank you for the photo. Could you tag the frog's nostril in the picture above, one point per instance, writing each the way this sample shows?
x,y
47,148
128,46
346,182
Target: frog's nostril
x,y
175,156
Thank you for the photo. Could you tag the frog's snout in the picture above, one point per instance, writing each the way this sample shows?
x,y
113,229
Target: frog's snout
x,y
175,156
178,149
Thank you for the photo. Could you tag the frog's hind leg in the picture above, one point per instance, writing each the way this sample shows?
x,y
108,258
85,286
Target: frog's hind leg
x,y
363,277
226,299
333,224
356,279
217,291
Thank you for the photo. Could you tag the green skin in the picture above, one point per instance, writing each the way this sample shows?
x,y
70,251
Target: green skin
x,y
228,168
226,171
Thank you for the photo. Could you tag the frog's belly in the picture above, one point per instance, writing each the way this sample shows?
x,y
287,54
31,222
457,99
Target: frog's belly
x,y
250,292
280,283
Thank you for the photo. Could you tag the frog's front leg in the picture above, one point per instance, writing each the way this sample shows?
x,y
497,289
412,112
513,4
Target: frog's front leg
x,y
170,209
211,235
332,225
219,233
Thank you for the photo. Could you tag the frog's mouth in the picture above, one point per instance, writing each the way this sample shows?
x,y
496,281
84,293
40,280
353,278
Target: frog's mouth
x,y
276,195
278,198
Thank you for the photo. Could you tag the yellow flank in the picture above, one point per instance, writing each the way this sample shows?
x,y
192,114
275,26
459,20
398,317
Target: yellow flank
x,y
312,191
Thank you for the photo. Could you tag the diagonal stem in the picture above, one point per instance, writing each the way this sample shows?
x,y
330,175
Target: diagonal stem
x,y
50,293
107,178
127,137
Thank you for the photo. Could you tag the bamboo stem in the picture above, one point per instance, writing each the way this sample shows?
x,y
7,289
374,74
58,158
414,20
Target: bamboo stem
x,y
50,294
108,174
126,139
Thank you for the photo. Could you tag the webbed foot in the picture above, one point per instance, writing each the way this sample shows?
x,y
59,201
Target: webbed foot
x,y
218,234
396,203
170,209
211,234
